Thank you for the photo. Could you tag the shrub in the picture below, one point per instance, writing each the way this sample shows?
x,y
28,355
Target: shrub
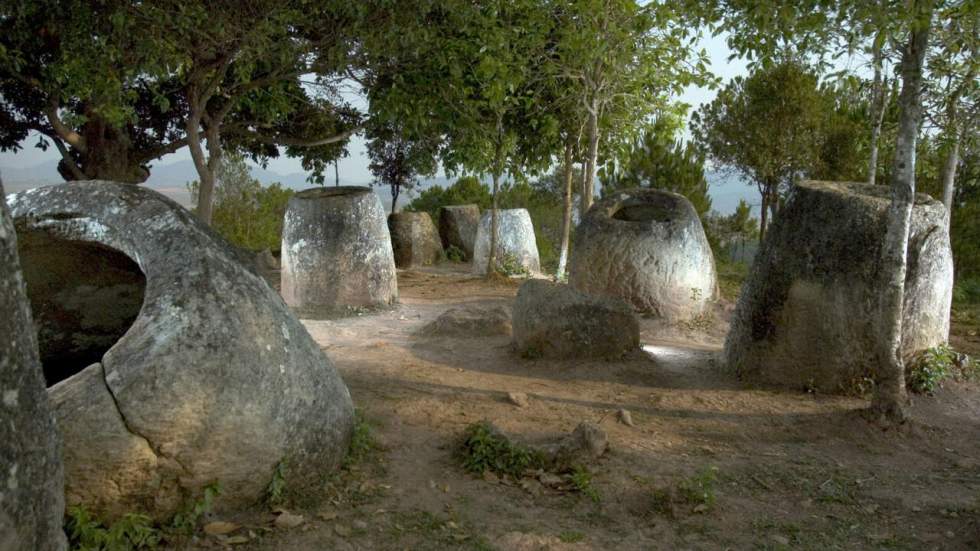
x,y
484,449
930,368
132,531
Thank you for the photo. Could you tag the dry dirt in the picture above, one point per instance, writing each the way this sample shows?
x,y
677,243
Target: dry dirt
x,y
790,470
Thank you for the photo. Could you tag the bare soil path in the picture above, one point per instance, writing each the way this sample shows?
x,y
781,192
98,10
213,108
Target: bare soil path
x,y
771,470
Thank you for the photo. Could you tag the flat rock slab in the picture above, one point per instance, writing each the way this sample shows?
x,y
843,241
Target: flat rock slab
x,y
647,247
336,253
516,244
32,498
414,239
458,226
215,380
807,314
552,320
469,321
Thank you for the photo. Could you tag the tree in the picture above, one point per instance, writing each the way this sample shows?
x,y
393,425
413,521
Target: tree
x,y
398,161
660,160
462,71
767,127
117,84
619,62
246,213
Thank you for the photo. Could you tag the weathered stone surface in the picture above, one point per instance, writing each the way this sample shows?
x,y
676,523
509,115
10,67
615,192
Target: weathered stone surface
x,y
414,239
336,253
213,380
807,314
32,499
647,247
553,320
515,241
457,227
469,321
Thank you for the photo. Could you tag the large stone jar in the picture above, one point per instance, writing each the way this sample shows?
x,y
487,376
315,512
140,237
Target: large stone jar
x,y
336,253
808,313
414,239
516,244
647,247
173,365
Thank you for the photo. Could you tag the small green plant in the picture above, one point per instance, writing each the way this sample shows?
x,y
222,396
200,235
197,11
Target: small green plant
x,y
484,449
927,371
131,532
455,254
362,442
509,265
275,492
185,521
571,537
699,490
582,480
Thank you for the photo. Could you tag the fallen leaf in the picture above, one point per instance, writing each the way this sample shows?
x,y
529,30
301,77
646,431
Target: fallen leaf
x,y
220,528
327,515
236,540
289,520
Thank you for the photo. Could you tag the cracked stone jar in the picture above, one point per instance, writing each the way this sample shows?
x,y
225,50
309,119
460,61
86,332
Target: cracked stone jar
x,y
171,365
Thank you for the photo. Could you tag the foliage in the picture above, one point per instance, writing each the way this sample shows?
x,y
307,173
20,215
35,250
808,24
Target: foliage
x,y
362,442
696,494
967,291
509,265
246,213
185,521
398,160
132,531
484,449
927,371
464,191
726,233
455,254
658,159
275,492
114,85
582,480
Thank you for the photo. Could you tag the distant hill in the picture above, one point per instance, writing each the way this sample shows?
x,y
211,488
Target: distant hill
x,y
171,180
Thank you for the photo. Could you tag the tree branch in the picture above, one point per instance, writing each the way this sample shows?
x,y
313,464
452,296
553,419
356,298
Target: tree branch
x,y
296,142
73,138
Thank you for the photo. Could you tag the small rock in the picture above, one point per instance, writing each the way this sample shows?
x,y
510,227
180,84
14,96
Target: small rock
x,y
519,399
551,480
360,525
781,540
625,417
342,531
236,540
490,477
289,520
327,515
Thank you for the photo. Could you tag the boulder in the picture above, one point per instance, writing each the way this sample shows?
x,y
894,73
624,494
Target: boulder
x,y
457,227
516,245
647,247
807,314
32,492
336,253
173,364
469,321
414,240
552,320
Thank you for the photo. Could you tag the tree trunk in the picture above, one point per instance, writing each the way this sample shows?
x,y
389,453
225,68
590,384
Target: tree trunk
x,y
592,158
498,169
566,222
949,175
205,188
763,215
336,173
878,106
890,396
395,190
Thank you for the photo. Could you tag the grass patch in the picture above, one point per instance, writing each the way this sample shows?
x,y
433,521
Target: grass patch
x,y
931,367
484,449
582,480
695,494
571,537
731,277
132,531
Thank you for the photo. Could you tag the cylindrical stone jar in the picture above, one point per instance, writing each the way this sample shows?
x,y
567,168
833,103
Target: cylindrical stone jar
x,y
336,253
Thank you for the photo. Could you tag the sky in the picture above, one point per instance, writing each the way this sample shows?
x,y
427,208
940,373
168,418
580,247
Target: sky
x,y
353,168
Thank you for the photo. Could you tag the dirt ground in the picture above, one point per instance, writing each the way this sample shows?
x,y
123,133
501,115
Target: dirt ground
x,y
789,470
